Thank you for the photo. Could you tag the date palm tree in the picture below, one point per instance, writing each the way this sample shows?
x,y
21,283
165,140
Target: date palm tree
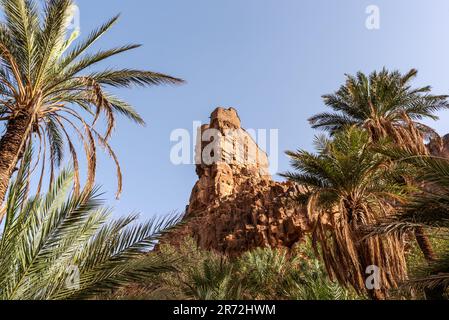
x,y
261,274
387,106
48,89
429,209
349,186
63,246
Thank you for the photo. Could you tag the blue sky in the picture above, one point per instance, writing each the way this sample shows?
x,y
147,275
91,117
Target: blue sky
x,y
270,59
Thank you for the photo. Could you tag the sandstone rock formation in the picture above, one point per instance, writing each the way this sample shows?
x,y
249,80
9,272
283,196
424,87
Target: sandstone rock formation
x,y
236,206
440,149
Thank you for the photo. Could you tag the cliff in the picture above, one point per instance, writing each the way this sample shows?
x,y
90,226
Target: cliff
x,y
235,205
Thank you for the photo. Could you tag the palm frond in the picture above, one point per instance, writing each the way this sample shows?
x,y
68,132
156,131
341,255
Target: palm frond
x,y
61,246
49,76
348,188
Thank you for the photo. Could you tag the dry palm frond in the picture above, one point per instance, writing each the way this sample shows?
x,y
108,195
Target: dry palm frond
x,y
61,245
428,209
351,186
387,107
385,104
47,74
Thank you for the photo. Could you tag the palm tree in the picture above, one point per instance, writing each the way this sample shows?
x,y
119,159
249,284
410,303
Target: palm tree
x,y
60,246
429,210
48,89
387,106
348,186
268,273
261,274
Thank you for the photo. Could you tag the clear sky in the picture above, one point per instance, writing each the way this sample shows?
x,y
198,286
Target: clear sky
x,y
270,59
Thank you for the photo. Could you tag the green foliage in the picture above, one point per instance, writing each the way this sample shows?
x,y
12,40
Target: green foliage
x,y
381,99
347,186
61,245
346,165
50,76
428,209
297,275
272,274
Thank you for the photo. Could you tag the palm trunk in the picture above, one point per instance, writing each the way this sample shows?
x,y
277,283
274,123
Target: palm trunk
x,y
437,293
424,244
377,295
11,145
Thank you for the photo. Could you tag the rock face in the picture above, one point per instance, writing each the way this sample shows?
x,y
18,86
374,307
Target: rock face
x,y
440,149
236,206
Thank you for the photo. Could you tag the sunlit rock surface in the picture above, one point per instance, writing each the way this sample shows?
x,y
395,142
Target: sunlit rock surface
x,y
236,206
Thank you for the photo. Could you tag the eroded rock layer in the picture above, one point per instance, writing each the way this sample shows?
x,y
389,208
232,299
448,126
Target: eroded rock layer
x,y
236,206
440,148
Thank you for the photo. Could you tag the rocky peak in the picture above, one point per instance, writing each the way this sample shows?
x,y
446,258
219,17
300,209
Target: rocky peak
x,y
223,118
235,205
